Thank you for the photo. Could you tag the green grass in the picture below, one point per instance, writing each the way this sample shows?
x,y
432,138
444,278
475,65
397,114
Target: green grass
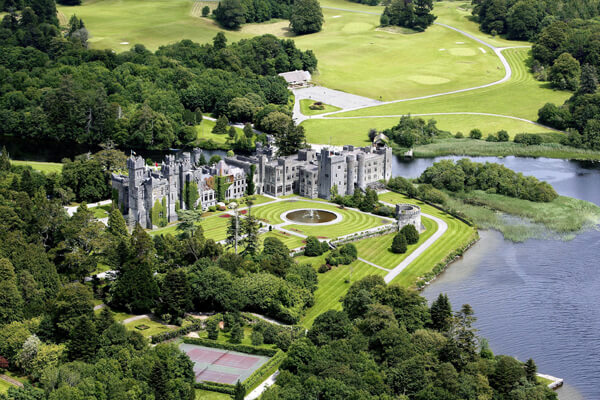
x,y
458,235
357,57
215,227
352,221
543,381
522,96
290,241
333,286
355,130
205,135
207,395
4,386
45,167
154,327
101,211
564,216
469,147
305,108
377,249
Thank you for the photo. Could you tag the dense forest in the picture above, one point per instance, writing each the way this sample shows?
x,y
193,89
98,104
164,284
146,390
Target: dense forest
x,y
387,344
53,87
524,19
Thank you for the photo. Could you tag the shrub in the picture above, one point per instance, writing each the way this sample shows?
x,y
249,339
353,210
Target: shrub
x,y
491,138
313,247
323,268
212,208
256,338
344,255
161,337
399,244
503,136
410,233
212,328
237,334
528,139
475,134
205,11
459,135
242,348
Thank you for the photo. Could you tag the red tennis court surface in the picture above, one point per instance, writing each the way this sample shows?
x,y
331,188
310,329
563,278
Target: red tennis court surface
x,y
221,366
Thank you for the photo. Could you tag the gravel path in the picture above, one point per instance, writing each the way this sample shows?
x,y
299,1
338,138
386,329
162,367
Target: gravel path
x,y
11,380
336,98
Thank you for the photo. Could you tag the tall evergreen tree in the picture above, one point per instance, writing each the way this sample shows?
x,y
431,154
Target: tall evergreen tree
x,y
399,243
239,392
116,223
531,371
441,313
84,340
589,80
175,294
250,229
11,302
4,160
158,380
220,127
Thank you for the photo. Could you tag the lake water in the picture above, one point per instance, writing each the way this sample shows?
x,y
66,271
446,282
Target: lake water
x,y
537,299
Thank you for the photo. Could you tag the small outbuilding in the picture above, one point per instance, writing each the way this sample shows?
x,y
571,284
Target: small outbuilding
x,y
298,78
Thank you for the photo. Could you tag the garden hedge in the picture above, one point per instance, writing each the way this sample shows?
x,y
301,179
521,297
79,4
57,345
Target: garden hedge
x,y
242,348
161,337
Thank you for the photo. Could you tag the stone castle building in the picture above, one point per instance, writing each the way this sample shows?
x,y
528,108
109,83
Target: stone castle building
x,y
308,173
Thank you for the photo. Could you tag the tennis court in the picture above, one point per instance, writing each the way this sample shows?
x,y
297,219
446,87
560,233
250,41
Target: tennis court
x,y
221,366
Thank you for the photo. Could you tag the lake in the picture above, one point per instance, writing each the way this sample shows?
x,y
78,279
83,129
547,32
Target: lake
x,y
537,299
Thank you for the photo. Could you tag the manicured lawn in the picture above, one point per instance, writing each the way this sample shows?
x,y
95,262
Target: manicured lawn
x,y
352,221
522,96
206,395
154,327
215,227
377,249
101,211
333,286
45,167
305,108
355,130
205,134
290,241
457,235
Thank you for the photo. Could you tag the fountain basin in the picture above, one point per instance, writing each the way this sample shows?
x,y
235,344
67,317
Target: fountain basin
x,y
311,216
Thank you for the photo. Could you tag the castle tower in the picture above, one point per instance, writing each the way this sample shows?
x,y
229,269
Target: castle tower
x,y
387,173
137,208
170,172
350,174
361,171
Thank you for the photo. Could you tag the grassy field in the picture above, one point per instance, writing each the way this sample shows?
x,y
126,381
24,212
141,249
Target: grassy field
x,y
470,147
215,227
333,286
207,395
458,234
352,221
355,130
45,167
377,249
205,134
154,327
522,96
305,108
4,386
290,241
101,211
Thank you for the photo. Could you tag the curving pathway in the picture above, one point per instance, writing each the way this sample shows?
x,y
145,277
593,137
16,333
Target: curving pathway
x,y
299,117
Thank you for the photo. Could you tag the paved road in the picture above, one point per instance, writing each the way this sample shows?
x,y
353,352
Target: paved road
x,y
72,209
255,394
442,228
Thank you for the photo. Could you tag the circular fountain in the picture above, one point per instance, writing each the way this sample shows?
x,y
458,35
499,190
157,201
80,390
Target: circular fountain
x,y
310,216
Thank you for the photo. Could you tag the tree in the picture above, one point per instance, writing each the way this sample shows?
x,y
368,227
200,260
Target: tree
x,y
291,140
565,72
588,82
231,133
189,221
330,326
410,233
306,17
399,243
475,134
212,329
234,231
531,371
507,374
250,228
158,380
463,333
4,160
11,302
222,123
230,14
237,333
214,159
248,131
116,223
250,186
73,301
313,247
84,340
441,313
175,296
205,11
256,338
503,136
239,392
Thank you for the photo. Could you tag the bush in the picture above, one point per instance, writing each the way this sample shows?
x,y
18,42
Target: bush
x,y
313,247
237,334
503,136
205,11
410,233
344,255
475,134
528,139
256,338
212,208
242,348
323,268
491,138
212,328
399,244
459,135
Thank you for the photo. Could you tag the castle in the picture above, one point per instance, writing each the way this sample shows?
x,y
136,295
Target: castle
x,y
308,173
